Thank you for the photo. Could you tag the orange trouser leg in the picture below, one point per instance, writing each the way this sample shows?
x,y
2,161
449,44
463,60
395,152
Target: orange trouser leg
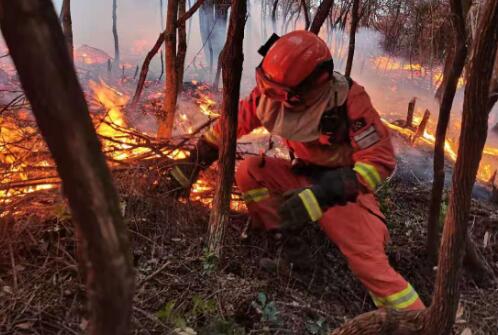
x,y
361,237
263,187
359,234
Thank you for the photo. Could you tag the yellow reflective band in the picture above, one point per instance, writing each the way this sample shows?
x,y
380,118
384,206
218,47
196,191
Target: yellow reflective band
x,y
180,177
369,173
311,204
256,195
400,300
211,137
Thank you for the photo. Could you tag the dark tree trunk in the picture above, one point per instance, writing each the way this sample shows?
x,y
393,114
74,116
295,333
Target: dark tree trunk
x,y
274,16
117,59
321,15
457,58
167,119
439,318
67,26
47,74
232,60
182,46
472,139
352,37
306,14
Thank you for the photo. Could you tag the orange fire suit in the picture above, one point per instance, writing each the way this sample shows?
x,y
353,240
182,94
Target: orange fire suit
x,y
357,228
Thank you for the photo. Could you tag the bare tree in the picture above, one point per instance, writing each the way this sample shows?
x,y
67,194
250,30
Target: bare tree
x,y
182,45
232,59
321,15
115,32
306,14
456,57
352,36
438,319
67,26
47,75
155,49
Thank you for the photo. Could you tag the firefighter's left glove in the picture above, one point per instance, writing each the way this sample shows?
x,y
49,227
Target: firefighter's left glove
x,y
299,208
186,171
333,187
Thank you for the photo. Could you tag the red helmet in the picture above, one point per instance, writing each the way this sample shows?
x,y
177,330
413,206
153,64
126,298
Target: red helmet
x,y
292,61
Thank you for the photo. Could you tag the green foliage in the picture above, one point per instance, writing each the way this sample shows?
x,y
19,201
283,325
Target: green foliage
x,y
317,327
201,308
218,326
267,309
209,261
442,212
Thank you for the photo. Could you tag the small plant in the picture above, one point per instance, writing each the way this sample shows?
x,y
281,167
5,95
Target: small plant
x,y
219,326
169,314
209,261
317,327
266,309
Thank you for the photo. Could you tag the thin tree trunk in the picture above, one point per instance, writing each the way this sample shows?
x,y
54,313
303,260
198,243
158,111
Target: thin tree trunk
x,y
321,15
117,59
439,318
352,37
471,144
48,78
67,26
274,16
167,119
182,46
454,73
306,14
232,60
145,69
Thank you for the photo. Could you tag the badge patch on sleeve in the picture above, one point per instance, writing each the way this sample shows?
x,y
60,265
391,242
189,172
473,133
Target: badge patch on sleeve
x,y
367,138
358,124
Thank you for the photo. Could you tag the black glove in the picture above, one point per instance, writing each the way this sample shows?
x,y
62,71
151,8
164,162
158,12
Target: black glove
x,y
186,171
334,187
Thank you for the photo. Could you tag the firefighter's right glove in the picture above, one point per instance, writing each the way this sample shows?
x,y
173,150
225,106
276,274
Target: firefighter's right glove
x,y
186,171
333,187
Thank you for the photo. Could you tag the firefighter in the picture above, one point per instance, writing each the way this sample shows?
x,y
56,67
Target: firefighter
x,y
340,153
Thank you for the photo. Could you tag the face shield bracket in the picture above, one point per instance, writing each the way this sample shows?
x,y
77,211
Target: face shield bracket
x,y
263,50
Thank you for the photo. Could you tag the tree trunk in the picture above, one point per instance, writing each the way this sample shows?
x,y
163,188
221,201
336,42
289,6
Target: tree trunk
x,y
67,26
117,59
352,37
232,60
167,119
321,15
472,139
439,318
206,23
182,46
47,74
306,14
457,59
274,16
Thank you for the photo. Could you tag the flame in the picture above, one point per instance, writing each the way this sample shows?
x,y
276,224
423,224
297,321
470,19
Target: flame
x,y
414,69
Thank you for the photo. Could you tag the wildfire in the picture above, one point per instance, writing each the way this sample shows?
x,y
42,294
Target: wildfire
x,y
414,69
486,169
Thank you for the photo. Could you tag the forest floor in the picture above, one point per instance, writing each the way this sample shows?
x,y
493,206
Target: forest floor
x,y
180,288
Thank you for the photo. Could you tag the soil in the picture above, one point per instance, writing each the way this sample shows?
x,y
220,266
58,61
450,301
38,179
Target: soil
x,y
181,288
